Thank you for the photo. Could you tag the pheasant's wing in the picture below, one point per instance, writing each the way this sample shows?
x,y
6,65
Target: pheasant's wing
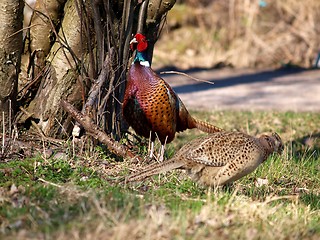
x,y
214,151
209,160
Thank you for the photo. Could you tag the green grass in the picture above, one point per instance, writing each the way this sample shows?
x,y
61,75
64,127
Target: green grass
x,y
72,198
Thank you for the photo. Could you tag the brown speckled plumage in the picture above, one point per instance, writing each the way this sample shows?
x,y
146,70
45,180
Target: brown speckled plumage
x,y
218,158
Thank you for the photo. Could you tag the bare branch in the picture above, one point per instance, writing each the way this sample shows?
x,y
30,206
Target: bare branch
x,y
187,75
93,130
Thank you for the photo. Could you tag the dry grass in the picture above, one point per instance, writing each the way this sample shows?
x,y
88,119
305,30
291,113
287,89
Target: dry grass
x,y
72,197
236,217
241,33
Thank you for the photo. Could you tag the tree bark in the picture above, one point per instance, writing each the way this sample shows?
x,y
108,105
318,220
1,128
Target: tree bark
x,y
60,79
44,20
10,52
40,36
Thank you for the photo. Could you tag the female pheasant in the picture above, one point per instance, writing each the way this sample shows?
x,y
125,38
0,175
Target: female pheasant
x,y
217,159
150,105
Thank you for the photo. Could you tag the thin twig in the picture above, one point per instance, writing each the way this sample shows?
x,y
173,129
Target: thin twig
x,y
3,133
9,118
50,183
22,29
187,75
272,199
24,90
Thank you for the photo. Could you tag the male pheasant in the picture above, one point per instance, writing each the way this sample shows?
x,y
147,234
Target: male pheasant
x,y
150,105
218,158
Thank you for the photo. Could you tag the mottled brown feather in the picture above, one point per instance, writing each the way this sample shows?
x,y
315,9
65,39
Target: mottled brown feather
x,y
218,158
151,105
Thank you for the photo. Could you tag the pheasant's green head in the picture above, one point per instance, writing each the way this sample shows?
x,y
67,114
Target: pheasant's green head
x,y
140,43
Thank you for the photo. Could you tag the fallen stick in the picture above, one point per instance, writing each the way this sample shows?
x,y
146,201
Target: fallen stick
x,y
93,130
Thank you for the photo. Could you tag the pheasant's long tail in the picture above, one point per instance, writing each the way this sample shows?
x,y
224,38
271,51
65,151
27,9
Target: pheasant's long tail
x,y
153,169
206,127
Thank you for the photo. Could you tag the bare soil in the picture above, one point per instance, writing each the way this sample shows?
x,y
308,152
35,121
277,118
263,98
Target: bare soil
x,y
288,89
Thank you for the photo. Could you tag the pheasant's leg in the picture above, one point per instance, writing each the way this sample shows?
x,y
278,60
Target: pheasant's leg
x,y
150,146
161,153
151,149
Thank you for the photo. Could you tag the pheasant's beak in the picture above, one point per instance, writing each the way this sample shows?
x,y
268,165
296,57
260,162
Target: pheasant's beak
x,y
278,143
134,40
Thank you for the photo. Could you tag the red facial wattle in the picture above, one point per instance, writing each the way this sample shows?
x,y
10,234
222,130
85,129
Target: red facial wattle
x,y
140,44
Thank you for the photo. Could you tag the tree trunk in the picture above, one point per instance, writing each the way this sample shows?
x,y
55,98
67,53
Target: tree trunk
x,y
10,53
40,36
45,18
60,76
90,49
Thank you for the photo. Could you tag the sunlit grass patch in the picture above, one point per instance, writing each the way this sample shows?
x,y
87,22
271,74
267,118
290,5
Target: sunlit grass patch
x,y
77,198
